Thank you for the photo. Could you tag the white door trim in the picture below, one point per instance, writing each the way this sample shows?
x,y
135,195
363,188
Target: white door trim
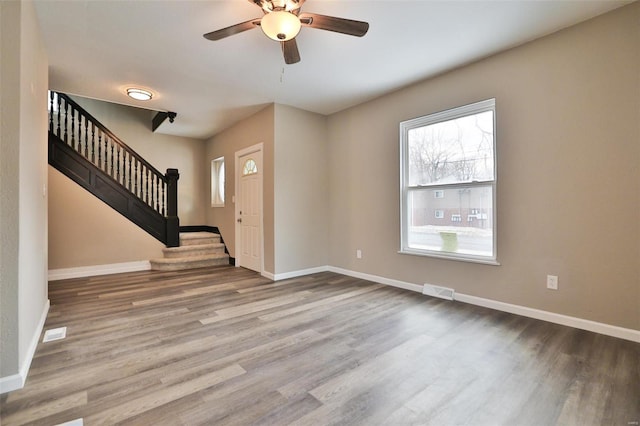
x,y
249,150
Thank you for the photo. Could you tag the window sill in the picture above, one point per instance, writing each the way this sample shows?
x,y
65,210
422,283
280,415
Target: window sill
x,y
456,257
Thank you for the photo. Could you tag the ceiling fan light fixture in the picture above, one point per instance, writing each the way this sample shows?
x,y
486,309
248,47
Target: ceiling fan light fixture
x,y
280,25
139,94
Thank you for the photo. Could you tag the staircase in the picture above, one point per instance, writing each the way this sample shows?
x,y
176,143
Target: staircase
x,y
88,153
196,250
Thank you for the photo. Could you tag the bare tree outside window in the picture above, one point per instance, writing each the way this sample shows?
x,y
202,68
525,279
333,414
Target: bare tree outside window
x,y
458,150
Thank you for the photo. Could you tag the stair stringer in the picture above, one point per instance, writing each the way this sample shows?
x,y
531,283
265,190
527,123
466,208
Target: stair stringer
x,y
76,167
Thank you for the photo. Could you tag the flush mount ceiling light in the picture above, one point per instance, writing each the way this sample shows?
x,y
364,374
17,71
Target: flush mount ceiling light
x,y
139,94
280,25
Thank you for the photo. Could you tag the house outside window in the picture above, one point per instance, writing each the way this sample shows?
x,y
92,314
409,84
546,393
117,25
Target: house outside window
x,y
448,184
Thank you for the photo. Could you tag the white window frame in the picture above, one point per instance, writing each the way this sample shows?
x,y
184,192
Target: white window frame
x,y
217,184
405,127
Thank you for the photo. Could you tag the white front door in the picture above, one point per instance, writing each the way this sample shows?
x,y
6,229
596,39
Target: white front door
x,y
249,208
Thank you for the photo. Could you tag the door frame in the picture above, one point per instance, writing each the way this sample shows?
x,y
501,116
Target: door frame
x,y
238,172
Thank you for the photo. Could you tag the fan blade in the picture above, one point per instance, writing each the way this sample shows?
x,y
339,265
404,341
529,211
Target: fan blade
x,y
290,51
331,23
233,29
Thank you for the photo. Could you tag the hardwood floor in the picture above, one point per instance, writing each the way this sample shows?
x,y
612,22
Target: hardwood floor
x,y
225,346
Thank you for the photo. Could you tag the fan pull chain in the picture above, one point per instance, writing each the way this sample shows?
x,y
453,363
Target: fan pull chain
x,y
282,75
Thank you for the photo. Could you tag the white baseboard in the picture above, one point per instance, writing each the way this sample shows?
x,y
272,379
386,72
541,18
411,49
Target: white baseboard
x,y
583,324
90,271
16,381
377,279
300,273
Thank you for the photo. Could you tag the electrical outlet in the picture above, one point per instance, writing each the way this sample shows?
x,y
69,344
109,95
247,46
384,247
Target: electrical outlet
x,y
552,282
358,254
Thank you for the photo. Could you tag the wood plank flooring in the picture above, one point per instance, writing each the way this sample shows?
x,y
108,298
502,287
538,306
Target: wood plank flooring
x,y
224,346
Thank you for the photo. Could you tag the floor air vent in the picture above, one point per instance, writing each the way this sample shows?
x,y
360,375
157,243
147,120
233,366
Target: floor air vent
x,y
437,291
54,334
76,422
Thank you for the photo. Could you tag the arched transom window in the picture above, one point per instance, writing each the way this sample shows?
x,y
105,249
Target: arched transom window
x,y
250,167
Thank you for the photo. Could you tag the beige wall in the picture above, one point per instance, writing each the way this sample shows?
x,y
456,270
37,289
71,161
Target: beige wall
x,y
86,232
23,173
259,128
301,190
568,136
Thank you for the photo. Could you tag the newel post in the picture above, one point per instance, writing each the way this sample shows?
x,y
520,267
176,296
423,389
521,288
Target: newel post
x,y
173,223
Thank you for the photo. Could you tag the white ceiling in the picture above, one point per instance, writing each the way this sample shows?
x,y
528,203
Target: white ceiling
x,y
98,48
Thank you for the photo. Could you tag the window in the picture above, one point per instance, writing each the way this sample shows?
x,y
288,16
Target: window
x,y
448,184
217,182
250,167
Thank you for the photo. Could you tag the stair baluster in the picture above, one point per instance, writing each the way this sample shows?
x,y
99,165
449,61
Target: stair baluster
x,y
129,174
163,202
156,184
93,143
58,124
51,95
99,149
66,115
135,179
118,166
73,124
111,161
149,193
86,138
81,145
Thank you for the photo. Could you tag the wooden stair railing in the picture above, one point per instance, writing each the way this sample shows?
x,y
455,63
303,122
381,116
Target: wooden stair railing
x,y
87,152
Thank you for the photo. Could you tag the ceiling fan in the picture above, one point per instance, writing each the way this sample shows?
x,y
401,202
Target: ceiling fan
x,y
282,21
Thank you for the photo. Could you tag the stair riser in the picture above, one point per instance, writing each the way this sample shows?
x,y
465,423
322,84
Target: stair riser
x,y
190,253
199,241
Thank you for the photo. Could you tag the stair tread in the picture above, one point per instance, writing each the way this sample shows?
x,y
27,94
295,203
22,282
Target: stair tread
x,y
188,259
197,235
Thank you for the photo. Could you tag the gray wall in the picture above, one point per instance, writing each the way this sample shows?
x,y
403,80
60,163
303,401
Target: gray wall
x,y
9,185
568,140
301,190
23,172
